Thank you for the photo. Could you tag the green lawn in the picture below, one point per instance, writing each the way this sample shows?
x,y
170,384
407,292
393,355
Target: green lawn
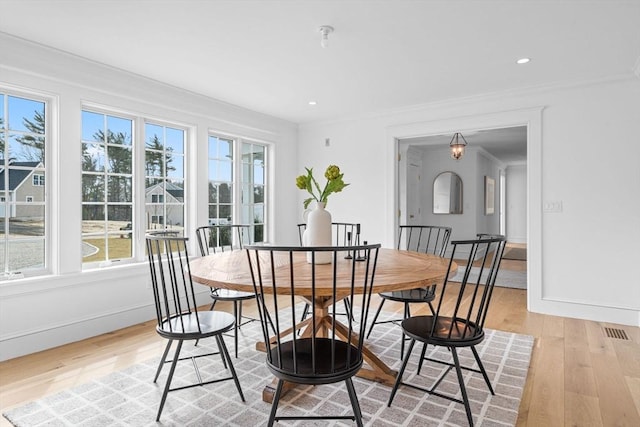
x,y
118,248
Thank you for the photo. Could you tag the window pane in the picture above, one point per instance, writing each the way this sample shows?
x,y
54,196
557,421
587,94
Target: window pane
x,y
154,137
258,233
119,160
225,171
175,140
119,130
26,148
118,216
119,189
213,193
26,115
92,188
225,193
25,254
258,194
224,214
94,249
92,126
27,220
92,217
93,156
174,165
153,163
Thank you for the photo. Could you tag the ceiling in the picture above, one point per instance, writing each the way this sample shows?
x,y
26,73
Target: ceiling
x,y
384,55
507,144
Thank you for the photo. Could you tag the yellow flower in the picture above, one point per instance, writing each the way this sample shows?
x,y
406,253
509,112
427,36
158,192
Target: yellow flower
x,y
301,182
334,184
332,172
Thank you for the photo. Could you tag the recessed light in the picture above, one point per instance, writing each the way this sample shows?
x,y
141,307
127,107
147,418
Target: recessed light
x,y
313,103
523,60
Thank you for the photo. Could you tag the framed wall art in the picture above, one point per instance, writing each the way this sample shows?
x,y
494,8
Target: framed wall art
x,y
489,195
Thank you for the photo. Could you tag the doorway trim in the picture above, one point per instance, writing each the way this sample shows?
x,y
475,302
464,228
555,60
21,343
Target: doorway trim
x,y
530,117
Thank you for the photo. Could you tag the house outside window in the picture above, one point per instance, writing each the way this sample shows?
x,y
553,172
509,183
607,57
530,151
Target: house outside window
x,y
164,177
23,222
107,186
38,180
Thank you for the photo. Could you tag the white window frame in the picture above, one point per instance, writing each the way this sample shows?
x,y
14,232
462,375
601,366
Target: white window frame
x,y
236,196
135,136
51,148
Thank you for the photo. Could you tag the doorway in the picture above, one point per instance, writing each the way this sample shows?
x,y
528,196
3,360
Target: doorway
x,y
490,152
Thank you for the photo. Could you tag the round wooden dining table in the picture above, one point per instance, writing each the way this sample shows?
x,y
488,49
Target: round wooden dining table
x,y
395,270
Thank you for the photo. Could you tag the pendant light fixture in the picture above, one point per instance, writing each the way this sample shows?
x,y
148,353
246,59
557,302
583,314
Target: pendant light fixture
x,y
457,147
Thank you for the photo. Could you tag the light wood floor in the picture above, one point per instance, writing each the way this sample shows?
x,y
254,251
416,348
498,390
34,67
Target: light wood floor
x,y
577,377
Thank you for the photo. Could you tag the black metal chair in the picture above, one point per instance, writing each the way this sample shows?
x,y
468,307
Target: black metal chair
x,y
176,309
459,319
218,238
428,239
342,234
327,351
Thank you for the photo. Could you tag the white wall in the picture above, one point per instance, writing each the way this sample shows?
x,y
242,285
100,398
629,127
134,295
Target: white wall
x,y
69,305
516,200
578,258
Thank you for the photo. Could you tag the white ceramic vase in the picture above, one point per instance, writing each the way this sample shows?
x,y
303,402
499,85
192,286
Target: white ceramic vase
x,y
318,232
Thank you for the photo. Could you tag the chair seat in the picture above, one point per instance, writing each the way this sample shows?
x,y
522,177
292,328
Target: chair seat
x,y
348,361
231,295
185,326
419,328
410,295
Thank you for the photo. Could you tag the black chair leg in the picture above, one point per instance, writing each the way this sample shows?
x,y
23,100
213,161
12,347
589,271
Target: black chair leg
x,y
305,312
223,349
375,318
162,360
274,405
167,386
235,326
354,402
481,366
347,308
463,389
407,314
401,372
422,354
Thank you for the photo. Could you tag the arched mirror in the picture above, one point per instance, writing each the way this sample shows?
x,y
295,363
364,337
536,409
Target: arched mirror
x,y
447,193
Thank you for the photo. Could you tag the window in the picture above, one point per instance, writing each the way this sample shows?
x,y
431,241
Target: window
x,y
38,180
157,198
220,181
23,142
107,185
164,177
253,185
237,184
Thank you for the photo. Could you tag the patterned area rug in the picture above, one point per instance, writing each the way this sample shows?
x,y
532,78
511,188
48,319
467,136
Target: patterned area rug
x,y
130,398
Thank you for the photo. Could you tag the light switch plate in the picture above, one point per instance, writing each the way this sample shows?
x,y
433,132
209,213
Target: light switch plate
x,y
552,206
